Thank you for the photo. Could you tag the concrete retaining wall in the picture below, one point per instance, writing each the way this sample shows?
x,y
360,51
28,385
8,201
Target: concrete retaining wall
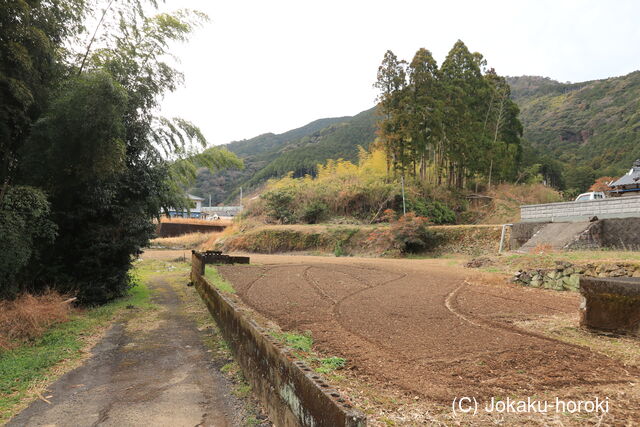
x,y
521,232
171,229
617,207
292,393
611,304
621,234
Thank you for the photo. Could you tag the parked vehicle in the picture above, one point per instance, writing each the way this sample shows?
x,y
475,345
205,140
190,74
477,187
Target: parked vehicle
x,y
592,195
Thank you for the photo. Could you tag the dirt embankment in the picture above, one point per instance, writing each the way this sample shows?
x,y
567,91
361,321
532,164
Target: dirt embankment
x,y
354,240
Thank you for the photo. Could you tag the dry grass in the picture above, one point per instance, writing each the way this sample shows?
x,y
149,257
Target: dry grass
x,y
542,249
566,328
29,316
216,241
543,259
210,243
506,200
186,241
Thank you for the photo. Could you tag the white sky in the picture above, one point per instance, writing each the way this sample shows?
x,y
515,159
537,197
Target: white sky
x,y
271,66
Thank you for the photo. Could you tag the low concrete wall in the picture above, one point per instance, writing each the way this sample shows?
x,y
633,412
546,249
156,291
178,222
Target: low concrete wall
x,y
170,229
521,232
611,304
217,257
617,207
293,394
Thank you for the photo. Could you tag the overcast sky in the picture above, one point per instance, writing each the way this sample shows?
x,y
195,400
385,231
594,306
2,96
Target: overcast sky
x,y
270,66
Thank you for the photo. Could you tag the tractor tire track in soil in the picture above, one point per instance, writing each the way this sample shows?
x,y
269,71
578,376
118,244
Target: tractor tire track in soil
x,y
420,327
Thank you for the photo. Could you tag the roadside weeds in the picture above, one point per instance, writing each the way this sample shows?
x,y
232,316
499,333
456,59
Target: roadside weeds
x,y
27,370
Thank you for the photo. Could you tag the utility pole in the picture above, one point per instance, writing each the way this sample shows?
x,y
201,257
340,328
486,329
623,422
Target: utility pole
x,y
404,208
209,199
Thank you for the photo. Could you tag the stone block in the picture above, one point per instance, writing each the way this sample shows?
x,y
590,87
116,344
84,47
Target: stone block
x,y
611,304
572,283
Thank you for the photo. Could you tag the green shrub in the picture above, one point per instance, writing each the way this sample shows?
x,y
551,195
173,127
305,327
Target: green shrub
x,y
314,212
24,229
279,205
410,234
437,212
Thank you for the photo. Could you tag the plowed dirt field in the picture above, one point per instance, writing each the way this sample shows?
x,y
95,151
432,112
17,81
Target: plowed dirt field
x,y
430,328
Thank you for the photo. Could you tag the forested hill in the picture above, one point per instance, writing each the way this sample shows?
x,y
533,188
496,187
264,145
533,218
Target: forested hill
x,y
270,142
298,150
593,124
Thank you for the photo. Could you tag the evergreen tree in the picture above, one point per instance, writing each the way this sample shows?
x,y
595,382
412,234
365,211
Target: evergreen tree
x,y
458,121
466,95
426,110
392,84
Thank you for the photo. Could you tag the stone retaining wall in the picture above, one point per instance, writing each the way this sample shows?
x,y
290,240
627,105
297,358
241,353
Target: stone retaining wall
x,y
566,276
292,393
615,207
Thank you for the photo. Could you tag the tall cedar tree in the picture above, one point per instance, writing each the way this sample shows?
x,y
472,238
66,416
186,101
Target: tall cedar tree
x,y
457,121
392,84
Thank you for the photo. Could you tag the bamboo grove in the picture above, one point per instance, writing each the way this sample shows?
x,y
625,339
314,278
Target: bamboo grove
x,y
447,125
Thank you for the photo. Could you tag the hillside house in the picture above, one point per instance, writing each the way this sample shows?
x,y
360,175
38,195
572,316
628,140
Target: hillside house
x,y
627,185
194,212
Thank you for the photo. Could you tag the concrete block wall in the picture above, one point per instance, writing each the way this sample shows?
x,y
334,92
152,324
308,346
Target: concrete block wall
x,y
293,394
618,207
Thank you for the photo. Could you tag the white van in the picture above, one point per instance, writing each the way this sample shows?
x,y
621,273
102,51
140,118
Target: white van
x,y
593,195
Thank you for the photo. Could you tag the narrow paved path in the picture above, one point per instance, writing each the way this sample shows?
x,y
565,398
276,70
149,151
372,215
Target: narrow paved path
x,y
151,370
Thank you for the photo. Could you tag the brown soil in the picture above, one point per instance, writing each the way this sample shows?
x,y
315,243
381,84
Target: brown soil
x,y
431,328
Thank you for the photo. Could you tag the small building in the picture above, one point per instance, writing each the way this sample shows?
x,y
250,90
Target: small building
x,y
627,185
221,211
194,212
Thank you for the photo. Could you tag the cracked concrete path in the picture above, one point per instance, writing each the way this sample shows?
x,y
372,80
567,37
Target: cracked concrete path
x,y
150,370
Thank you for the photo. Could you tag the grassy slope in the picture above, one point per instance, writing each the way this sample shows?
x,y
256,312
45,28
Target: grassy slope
x,y
355,240
26,369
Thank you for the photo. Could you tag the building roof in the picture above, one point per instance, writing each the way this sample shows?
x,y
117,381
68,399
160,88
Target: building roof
x,y
192,197
631,178
223,209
